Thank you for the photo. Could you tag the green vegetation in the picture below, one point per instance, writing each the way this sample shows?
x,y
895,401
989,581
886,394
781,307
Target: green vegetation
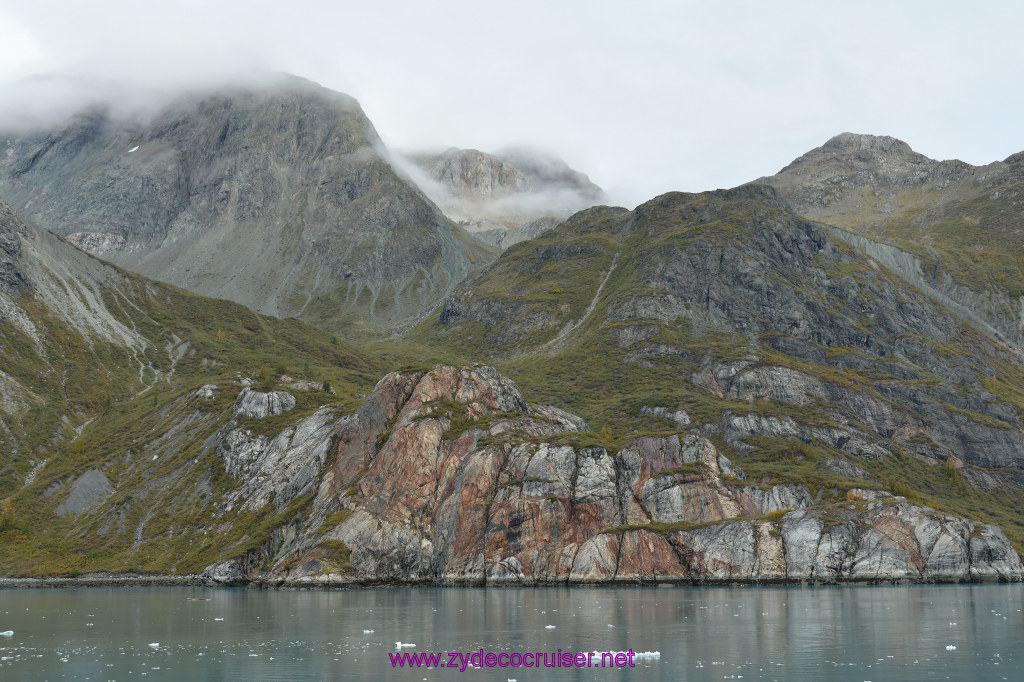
x,y
145,430
95,404
594,374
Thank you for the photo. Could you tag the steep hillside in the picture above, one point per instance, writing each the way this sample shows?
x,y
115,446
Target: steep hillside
x,y
963,223
280,198
503,199
105,377
802,359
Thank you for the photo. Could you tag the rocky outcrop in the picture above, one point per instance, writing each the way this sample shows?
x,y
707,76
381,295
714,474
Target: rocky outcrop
x,y
89,490
262,404
279,469
678,416
448,476
893,416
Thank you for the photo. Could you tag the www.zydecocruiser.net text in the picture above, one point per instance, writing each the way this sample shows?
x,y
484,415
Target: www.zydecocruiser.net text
x,y
462,661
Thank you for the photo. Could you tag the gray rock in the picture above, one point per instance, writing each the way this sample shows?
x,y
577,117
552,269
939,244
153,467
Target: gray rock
x,y
848,469
223,572
207,392
91,489
262,404
560,418
276,470
678,416
729,469
737,427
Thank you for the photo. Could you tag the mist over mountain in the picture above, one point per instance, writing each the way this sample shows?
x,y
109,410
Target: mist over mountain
x,y
504,198
278,196
814,377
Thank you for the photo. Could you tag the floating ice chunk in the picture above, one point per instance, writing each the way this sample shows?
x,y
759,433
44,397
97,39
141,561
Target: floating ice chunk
x,y
639,654
7,633
133,149
155,645
367,632
951,647
549,627
399,645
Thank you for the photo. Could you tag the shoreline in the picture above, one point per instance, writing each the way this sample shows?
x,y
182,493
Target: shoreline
x,y
341,583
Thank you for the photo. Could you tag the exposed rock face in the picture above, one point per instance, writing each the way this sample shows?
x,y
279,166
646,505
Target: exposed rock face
x,y
207,391
11,228
280,198
89,489
678,416
930,213
447,476
262,404
275,470
503,199
848,469
739,264
98,243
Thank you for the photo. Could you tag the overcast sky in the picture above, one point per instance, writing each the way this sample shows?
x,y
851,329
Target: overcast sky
x,y
643,96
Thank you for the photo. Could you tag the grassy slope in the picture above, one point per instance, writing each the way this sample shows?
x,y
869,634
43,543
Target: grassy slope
x,y
971,230
159,518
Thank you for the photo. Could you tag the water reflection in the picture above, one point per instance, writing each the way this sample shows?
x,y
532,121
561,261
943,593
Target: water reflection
x,y
791,633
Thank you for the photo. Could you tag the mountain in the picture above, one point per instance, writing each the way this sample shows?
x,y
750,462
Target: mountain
x,y
502,199
759,403
802,359
279,197
106,378
957,227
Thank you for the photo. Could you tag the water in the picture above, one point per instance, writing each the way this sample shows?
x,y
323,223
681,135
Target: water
x,y
724,633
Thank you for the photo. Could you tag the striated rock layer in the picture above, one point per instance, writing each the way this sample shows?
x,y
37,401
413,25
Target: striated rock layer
x,y
448,476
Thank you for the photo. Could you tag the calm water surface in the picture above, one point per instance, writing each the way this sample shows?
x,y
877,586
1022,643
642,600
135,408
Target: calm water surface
x,y
786,633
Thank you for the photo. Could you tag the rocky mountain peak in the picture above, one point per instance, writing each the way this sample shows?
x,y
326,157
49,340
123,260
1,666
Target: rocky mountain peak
x,y
1014,158
861,159
872,143
277,196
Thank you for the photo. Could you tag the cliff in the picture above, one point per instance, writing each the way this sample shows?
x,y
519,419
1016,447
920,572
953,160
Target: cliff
x,y
448,476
